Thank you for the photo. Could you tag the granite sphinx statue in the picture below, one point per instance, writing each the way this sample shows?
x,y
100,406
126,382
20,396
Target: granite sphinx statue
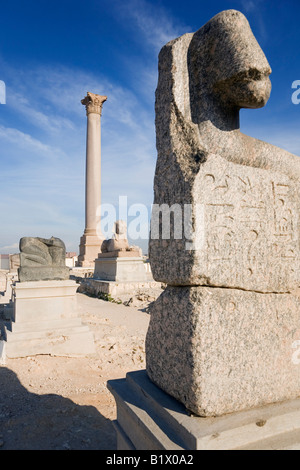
x,y
119,242
221,335
42,259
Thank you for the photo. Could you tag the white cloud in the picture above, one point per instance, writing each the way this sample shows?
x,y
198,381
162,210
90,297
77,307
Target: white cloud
x,y
248,5
254,8
9,248
48,122
43,152
157,25
27,142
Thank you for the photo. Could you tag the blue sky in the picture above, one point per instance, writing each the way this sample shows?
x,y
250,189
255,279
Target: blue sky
x,y
52,53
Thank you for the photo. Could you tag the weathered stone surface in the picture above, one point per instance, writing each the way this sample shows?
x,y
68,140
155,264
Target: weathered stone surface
x,y
246,231
234,344
224,350
246,188
45,273
42,259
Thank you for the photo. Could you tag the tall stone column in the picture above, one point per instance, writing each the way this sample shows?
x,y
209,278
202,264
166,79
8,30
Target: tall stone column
x,y
90,242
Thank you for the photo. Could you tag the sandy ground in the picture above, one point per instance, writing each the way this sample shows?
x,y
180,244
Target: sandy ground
x,y
55,403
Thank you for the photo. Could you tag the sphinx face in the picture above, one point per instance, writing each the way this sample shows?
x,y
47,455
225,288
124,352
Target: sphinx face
x,y
120,227
250,89
228,62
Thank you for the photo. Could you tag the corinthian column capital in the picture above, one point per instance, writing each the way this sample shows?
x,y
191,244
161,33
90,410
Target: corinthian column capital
x,y
93,103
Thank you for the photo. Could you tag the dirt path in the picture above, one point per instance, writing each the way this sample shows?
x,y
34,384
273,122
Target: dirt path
x,y
63,403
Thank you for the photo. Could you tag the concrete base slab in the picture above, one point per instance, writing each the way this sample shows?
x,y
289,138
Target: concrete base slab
x,y
45,321
150,419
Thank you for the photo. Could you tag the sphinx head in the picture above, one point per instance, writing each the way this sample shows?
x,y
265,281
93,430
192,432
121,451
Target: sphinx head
x,y
120,227
227,65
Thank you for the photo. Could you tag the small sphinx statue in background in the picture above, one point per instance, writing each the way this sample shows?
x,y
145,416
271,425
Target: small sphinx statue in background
x,y
42,259
118,261
119,242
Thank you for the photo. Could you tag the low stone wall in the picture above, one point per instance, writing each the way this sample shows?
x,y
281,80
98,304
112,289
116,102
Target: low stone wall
x,y
133,294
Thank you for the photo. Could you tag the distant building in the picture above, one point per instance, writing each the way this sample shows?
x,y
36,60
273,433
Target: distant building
x,y
4,262
71,259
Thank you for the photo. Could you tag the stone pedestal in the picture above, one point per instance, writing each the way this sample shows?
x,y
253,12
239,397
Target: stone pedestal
x,y
89,247
149,419
43,273
223,350
121,268
45,321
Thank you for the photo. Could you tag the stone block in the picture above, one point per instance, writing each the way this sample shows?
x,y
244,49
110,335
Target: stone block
x,y
42,259
90,246
41,300
43,273
245,231
45,321
120,269
150,419
224,350
224,336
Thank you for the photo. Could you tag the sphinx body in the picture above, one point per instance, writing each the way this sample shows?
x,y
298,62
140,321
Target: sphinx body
x,y
119,242
244,189
221,335
42,259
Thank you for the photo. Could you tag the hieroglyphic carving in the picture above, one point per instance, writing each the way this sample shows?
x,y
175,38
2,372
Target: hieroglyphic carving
x,y
285,243
251,229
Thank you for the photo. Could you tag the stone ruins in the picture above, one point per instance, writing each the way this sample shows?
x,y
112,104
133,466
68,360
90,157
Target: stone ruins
x,y
118,244
118,261
220,371
41,316
42,259
90,242
221,335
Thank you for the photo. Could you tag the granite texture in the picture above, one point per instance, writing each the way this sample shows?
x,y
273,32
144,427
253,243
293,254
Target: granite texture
x,y
223,350
222,336
246,231
203,158
42,259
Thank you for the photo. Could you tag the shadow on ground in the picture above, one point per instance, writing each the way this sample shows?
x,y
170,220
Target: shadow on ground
x,y
48,422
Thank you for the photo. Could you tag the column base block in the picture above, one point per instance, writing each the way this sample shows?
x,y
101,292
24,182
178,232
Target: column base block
x,y
89,248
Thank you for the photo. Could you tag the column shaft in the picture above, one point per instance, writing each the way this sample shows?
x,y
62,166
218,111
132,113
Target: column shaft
x,y
91,241
93,173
